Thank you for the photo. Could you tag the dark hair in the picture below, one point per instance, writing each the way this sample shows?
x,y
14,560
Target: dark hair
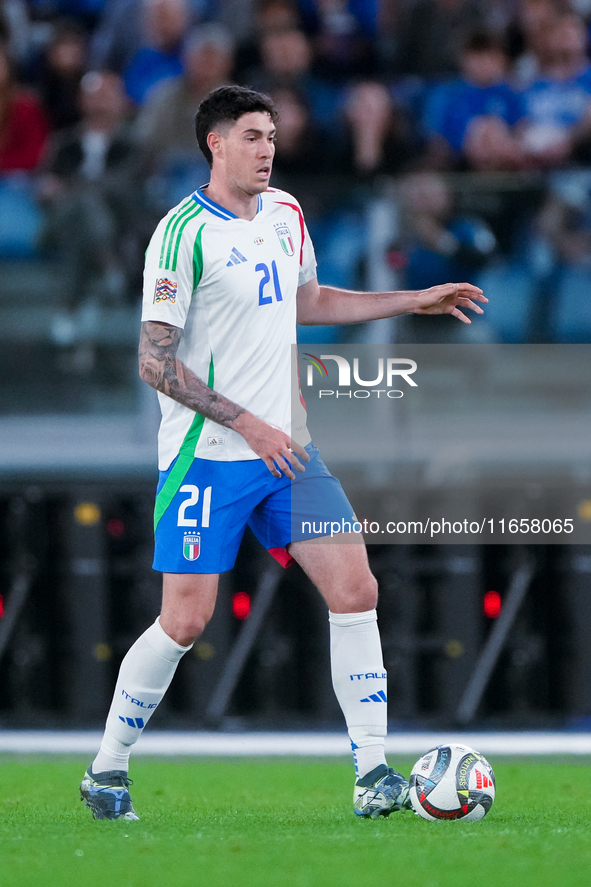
x,y
225,104
483,41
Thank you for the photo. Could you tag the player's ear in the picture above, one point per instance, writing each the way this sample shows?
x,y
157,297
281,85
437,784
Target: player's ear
x,y
214,142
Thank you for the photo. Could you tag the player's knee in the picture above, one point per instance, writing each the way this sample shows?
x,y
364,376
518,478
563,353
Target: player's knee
x,y
188,602
185,632
362,595
368,595
185,628
192,631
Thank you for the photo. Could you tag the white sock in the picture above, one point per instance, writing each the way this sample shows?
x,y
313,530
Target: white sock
x,y
360,684
144,678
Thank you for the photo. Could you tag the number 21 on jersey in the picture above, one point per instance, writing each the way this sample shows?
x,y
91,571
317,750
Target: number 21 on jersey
x,y
190,502
265,279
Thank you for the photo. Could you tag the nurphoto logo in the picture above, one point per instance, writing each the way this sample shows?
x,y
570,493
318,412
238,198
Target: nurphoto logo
x,y
389,371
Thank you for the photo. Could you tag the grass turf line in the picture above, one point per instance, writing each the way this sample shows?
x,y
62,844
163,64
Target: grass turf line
x,y
261,823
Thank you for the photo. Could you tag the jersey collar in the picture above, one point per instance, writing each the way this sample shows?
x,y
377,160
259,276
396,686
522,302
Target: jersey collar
x,y
200,197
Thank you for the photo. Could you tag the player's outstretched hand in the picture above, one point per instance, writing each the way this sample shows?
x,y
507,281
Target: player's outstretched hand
x,y
277,450
448,298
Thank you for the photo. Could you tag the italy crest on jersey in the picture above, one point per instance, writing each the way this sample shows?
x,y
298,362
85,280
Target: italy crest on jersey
x,y
285,239
192,547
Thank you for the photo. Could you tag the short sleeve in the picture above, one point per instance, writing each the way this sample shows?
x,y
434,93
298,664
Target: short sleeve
x,y
308,259
171,273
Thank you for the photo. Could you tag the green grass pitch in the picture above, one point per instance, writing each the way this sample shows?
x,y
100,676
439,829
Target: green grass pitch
x,y
266,822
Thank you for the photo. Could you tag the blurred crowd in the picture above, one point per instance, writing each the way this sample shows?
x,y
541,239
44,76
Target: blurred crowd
x,y
97,99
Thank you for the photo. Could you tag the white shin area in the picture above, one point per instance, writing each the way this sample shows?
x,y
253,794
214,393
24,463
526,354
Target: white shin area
x,y
144,677
360,684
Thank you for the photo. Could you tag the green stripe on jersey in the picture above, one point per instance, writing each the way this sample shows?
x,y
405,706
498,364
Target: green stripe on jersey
x,y
187,205
176,236
185,458
198,258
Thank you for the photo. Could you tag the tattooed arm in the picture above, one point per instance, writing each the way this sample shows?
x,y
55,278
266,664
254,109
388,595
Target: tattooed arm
x,y
161,368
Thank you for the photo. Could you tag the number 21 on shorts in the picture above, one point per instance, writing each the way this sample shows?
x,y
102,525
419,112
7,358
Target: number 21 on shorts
x,y
190,502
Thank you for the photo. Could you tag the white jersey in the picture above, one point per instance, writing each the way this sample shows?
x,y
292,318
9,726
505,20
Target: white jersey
x,y
231,285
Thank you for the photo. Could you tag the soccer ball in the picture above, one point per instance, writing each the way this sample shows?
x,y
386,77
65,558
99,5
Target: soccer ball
x,y
452,782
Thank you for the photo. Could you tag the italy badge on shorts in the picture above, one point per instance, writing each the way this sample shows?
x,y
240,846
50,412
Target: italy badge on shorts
x,y
191,547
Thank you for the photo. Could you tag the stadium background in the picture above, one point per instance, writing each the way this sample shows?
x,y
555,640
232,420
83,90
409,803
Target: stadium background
x,y
390,203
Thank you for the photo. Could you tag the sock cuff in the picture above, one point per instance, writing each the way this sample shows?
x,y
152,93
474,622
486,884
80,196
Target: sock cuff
x,y
367,735
113,746
162,644
346,619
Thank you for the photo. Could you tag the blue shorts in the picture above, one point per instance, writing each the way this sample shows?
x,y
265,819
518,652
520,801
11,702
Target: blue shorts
x,y
202,525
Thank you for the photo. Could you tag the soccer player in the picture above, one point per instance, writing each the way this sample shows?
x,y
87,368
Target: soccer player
x,y
228,272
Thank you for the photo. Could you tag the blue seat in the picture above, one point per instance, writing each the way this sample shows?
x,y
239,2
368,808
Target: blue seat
x,y
572,320
510,289
20,218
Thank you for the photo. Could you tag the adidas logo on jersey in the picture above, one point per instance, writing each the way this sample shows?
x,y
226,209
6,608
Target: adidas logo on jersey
x,y
235,258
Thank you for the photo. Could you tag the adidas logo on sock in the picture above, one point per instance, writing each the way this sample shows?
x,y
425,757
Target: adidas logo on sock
x,y
380,696
138,722
235,258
